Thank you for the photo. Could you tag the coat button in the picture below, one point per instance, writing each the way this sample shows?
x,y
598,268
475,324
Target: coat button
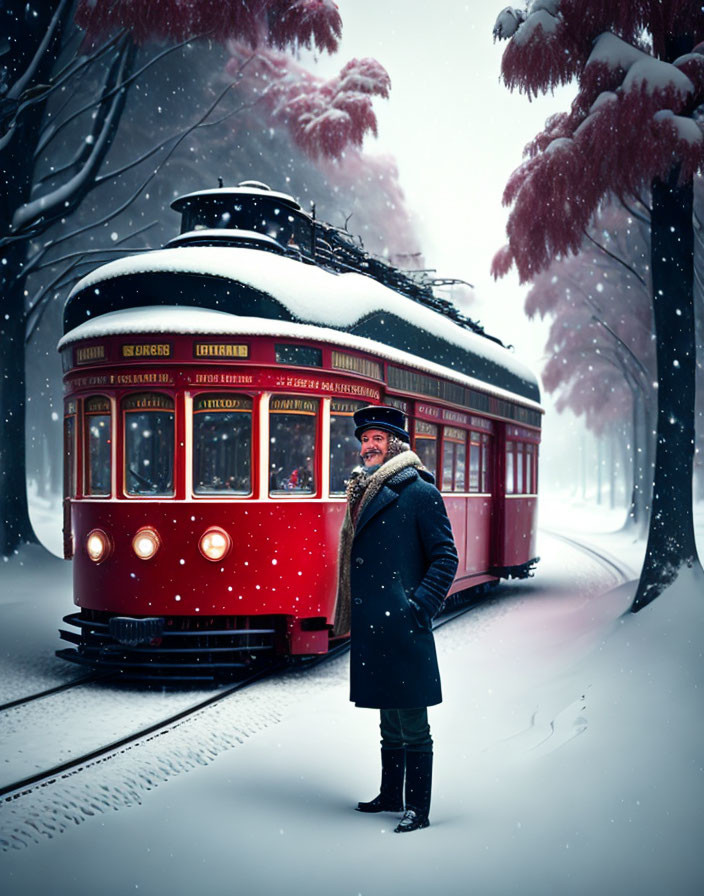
x,y
358,600
359,560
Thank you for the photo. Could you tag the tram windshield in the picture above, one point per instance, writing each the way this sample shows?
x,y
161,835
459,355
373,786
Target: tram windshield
x,y
260,215
292,429
344,447
222,445
98,426
149,445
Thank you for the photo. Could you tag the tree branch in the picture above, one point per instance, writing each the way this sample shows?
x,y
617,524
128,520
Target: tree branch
x,y
615,258
43,144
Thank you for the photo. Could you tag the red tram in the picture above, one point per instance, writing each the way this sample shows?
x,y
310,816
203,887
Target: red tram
x,y
210,388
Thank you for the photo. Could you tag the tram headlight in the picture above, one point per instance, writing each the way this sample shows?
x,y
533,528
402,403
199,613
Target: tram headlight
x,y
214,543
146,543
97,545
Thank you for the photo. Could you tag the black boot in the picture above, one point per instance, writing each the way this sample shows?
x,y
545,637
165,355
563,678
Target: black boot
x,y
419,778
390,799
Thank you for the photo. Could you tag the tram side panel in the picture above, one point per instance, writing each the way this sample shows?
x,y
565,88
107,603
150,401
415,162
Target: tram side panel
x,y
282,562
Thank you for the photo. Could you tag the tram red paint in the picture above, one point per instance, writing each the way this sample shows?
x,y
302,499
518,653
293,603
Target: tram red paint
x,y
183,419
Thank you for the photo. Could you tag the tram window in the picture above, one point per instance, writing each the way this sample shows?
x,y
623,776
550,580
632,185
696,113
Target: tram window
x,y
292,429
474,462
222,445
530,469
149,444
485,485
70,450
510,488
519,468
454,454
98,442
448,465
461,468
344,447
300,355
426,444
260,214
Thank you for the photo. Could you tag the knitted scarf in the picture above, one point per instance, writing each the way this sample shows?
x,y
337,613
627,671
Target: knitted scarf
x,y
360,492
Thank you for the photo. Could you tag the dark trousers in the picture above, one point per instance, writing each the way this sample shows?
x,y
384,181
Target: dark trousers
x,y
407,728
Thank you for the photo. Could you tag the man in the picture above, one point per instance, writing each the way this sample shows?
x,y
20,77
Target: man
x,y
397,562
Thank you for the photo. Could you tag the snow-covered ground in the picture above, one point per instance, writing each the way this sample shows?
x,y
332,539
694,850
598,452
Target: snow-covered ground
x,y
568,757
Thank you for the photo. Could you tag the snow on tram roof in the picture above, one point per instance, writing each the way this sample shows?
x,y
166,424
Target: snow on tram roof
x,y
310,293
182,319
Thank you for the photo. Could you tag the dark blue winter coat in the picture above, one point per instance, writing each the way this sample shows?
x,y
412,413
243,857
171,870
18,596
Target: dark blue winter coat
x,y
402,550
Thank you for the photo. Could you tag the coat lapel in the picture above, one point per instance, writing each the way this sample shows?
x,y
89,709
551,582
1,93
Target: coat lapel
x,y
385,497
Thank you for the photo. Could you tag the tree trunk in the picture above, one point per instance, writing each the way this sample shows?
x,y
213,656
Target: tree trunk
x,y
25,29
14,514
671,542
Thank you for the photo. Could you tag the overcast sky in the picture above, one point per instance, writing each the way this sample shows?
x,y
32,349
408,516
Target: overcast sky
x,y
457,134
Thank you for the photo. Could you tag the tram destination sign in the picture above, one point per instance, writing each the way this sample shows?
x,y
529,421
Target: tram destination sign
x,y
146,350
220,350
88,354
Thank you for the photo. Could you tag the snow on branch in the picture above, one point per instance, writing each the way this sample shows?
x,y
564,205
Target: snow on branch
x,y
638,127
279,23
551,41
323,117
307,22
541,53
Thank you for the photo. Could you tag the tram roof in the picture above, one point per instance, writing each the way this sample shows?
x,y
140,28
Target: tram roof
x,y
186,320
312,295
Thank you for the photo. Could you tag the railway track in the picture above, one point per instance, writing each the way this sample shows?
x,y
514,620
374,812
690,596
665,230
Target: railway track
x,y
57,689
41,778
622,572
46,776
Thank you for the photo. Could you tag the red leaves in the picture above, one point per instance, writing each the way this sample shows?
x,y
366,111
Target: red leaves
x,y
324,117
541,55
502,262
307,22
630,122
280,23
333,114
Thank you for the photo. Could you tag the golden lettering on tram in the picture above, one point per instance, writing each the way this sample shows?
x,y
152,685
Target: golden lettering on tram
x,y
146,350
81,382
148,402
220,350
223,403
454,416
87,353
137,379
223,379
301,405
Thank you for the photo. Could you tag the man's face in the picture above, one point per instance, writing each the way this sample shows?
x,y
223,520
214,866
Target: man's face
x,y
375,446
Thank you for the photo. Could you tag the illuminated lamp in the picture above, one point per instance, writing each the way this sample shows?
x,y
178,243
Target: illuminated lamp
x,y
98,545
215,543
146,543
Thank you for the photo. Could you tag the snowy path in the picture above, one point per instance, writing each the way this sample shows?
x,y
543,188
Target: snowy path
x,y
536,786
64,726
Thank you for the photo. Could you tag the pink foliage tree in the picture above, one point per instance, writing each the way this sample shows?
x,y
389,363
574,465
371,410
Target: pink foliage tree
x,y
324,117
600,350
632,128
59,51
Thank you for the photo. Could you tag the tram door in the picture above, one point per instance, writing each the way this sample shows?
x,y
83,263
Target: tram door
x,y
479,503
